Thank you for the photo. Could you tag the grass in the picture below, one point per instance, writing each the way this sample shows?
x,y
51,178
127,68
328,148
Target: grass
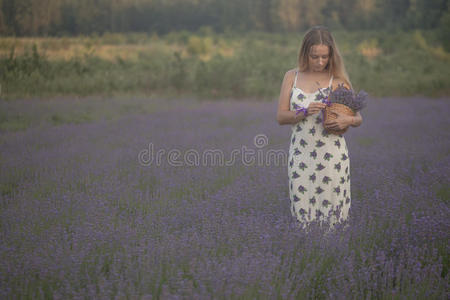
x,y
213,65
56,111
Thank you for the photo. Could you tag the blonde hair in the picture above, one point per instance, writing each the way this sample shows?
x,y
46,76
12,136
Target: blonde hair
x,y
320,35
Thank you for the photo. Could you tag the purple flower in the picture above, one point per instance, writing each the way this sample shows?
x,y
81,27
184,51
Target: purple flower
x,y
337,166
302,166
301,189
327,156
319,143
348,97
337,190
319,213
326,179
301,109
303,143
302,211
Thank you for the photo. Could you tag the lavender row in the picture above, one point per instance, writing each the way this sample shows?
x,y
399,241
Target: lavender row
x,y
81,217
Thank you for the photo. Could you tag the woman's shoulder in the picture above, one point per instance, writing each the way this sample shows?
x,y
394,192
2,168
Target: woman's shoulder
x,y
291,72
289,75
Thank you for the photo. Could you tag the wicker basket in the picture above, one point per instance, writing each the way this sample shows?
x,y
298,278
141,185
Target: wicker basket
x,y
330,115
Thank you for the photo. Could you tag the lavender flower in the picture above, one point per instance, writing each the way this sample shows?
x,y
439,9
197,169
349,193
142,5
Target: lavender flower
x,y
80,218
347,97
301,109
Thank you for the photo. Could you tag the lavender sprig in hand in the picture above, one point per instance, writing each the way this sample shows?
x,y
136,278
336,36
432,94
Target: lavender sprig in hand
x,y
301,109
298,109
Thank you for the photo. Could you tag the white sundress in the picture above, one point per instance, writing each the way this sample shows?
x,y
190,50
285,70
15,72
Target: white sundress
x,y
318,165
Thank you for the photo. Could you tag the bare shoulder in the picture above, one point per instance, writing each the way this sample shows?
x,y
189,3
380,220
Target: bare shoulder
x,y
289,75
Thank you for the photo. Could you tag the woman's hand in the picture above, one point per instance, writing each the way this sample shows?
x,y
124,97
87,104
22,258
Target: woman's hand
x,y
315,107
341,122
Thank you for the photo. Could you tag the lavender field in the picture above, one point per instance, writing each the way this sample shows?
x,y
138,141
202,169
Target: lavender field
x,y
85,213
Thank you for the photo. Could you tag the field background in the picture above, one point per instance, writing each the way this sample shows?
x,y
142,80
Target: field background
x,y
86,86
209,65
82,217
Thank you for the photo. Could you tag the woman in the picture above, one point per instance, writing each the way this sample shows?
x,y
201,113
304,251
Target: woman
x,y
318,163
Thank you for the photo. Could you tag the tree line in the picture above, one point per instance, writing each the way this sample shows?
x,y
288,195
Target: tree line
x,y
73,17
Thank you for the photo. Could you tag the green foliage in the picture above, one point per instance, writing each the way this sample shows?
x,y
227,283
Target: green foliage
x,y
198,45
444,30
382,63
443,192
76,17
7,189
14,123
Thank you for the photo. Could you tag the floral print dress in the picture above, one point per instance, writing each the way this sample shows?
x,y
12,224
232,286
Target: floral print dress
x,y
318,165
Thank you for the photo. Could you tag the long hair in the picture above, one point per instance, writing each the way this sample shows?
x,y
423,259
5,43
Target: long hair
x,y
320,35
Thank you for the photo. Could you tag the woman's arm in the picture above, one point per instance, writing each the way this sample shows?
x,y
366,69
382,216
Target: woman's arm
x,y
356,120
284,114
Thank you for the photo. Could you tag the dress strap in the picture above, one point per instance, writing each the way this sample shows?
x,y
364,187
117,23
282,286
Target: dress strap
x,y
295,79
331,81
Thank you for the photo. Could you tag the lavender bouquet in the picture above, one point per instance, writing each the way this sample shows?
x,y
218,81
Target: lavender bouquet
x,y
342,100
347,97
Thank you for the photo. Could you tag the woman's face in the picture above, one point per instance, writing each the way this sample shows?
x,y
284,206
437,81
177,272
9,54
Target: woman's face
x,y
318,58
